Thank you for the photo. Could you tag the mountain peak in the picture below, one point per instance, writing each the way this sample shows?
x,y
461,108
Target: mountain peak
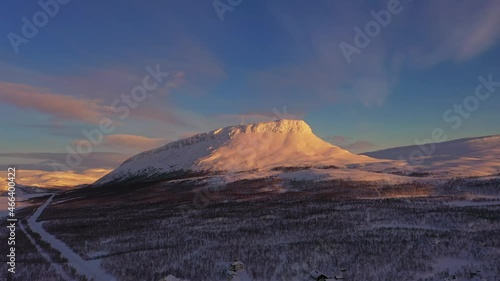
x,y
227,133
247,147
278,126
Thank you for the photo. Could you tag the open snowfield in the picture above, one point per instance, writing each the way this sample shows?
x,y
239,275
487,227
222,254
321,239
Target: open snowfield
x,y
398,232
89,268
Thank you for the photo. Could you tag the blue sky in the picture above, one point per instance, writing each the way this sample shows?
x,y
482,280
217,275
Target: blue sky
x,y
263,55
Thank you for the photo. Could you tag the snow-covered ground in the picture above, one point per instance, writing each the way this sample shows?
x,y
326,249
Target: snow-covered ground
x,y
58,268
479,156
345,174
402,232
242,275
91,269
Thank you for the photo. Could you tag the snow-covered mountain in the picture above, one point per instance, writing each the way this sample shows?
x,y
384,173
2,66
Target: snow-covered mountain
x,y
479,156
261,146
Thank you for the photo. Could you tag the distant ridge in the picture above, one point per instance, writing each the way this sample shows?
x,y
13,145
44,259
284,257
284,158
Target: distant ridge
x,y
473,147
474,156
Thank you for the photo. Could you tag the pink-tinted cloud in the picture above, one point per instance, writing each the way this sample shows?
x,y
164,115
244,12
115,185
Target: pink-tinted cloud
x,y
90,109
57,105
128,142
150,111
133,141
104,83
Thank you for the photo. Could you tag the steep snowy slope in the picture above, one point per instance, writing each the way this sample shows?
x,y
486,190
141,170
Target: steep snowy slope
x,y
478,156
260,146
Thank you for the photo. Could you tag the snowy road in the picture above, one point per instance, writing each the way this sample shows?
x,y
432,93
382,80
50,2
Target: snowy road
x,y
91,269
58,268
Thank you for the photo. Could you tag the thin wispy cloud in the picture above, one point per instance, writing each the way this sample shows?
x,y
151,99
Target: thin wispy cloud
x,y
317,66
56,105
135,142
468,29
